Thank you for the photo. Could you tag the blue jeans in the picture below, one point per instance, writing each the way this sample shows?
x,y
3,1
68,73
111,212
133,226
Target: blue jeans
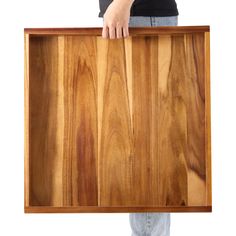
x,y
153,21
151,224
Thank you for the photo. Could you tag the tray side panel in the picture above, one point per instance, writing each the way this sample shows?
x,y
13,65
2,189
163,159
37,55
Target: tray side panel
x,y
208,119
26,121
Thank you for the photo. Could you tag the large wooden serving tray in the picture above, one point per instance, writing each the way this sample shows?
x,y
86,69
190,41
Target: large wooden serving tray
x,y
117,125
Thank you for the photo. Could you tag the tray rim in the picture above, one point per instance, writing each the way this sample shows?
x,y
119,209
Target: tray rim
x,y
115,209
109,209
133,31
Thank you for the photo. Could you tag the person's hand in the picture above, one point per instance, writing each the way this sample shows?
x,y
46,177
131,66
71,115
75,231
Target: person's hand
x,y
116,19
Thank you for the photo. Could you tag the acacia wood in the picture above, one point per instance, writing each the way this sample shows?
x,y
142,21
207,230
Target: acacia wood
x,y
117,125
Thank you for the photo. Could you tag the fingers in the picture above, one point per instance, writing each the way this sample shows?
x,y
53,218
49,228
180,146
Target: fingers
x,y
119,32
113,32
105,32
126,31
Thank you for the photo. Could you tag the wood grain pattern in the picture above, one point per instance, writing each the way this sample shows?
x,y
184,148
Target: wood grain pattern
x,y
145,114
80,86
115,159
117,125
181,125
63,121
43,125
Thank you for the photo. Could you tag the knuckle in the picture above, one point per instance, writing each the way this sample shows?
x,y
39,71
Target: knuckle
x,y
111,24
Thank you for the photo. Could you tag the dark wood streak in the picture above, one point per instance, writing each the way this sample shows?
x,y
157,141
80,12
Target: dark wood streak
x,y
177,191
87,183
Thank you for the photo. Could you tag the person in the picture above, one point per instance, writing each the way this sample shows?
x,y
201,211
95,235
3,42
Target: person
x,y
118,16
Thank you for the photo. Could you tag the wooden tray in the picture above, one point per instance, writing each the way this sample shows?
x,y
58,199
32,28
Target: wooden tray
x,y
118,125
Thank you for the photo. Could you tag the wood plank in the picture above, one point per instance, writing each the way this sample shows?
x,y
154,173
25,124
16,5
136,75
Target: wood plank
x,y
80,97
63,121
181,120
172,122
115,138
195,100
44,123
145,117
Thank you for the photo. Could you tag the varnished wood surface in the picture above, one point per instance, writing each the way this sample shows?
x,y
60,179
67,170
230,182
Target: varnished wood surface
x,y
117,125
91,209
97,31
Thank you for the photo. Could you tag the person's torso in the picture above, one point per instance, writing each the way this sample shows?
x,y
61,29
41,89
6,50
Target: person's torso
x,y
146,7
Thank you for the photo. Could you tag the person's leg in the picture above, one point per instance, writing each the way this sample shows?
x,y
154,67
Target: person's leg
x,y
164,21
143,21
151,224
139,21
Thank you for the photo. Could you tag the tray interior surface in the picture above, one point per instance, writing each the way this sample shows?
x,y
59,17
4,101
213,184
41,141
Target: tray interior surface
x,y
117,123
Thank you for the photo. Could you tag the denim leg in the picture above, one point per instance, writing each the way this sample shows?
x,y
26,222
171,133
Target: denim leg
x,y
164,21
150,224
139,21
144,21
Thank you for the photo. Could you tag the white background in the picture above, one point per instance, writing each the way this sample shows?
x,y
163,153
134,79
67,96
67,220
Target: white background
x,y
16,15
